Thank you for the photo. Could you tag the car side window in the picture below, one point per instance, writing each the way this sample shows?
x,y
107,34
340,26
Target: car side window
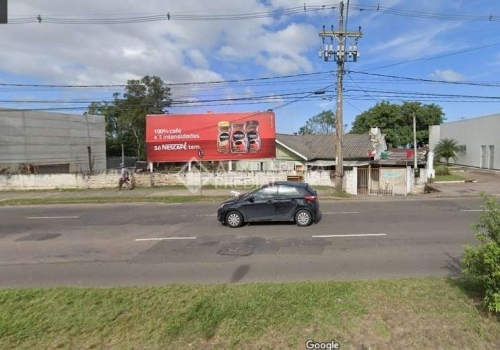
x,y
265,193
288,192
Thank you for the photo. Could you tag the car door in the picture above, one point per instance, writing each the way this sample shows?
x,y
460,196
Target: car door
x,y
263,206
287,202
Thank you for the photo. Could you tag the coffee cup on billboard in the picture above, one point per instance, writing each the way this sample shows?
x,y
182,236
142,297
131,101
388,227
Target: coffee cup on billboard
x,y
252,130
239,138
224,136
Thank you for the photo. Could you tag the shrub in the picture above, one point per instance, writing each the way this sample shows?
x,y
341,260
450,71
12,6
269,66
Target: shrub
x,y
442,170
482,263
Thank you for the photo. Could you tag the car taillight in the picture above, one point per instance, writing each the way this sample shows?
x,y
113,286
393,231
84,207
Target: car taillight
x,y
310,198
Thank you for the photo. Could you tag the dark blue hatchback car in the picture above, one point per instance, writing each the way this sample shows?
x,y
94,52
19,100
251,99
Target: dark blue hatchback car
x,y
277,201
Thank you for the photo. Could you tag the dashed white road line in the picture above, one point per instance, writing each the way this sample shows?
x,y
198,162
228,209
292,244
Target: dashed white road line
x,y
352,235
52,217
473,210
200,215
340,212
164,239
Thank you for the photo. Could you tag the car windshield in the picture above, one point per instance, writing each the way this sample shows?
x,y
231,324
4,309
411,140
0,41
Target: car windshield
x,y
248,194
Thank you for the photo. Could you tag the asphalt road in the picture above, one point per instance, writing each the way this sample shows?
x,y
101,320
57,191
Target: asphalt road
x,y
151,244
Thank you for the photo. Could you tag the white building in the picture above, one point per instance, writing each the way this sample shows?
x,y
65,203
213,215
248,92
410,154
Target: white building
x,y
479,138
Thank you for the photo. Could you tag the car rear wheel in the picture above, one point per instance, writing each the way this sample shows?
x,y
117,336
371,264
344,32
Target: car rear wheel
x,y
234,219
303,218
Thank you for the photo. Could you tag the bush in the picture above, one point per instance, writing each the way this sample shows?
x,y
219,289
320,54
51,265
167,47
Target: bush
x,y
442,170
482,263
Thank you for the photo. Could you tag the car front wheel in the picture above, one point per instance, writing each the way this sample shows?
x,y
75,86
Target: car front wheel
x,y
234,219
303,218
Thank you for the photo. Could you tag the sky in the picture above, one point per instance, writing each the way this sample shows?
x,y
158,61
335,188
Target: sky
x,y
263,54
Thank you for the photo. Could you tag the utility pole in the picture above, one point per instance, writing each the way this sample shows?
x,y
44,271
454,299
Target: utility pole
x,y
415,146
123,154
340,56
89,147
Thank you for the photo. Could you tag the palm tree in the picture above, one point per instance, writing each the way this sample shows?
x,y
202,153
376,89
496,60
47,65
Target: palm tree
x,y
447,148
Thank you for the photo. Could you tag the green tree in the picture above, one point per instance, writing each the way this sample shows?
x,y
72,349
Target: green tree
x,y
115,134
447,148
320,124
396,121
126,114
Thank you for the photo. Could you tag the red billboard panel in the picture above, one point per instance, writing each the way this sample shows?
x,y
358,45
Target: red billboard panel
x,y
228,136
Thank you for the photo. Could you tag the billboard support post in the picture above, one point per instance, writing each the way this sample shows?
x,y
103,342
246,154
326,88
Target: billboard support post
x,y
201,180
201,153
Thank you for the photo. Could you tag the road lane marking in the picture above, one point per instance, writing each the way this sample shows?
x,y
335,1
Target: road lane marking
x,y
203,215
473,210
163,239
352,235
340,212
52,217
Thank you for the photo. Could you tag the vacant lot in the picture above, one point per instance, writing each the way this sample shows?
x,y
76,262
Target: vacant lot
x,y
393,314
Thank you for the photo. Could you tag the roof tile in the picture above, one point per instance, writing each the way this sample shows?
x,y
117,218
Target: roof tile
x,y
323,146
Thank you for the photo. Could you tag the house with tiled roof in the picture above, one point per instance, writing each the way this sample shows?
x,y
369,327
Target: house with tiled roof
x,y
369,167
318,151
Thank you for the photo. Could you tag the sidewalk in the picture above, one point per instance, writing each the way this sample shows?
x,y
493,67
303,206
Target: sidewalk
x,y
468,189
487,181
175,193
107,193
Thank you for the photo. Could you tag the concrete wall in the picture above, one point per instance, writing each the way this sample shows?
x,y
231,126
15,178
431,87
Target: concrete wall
x,y
42,138
266,165
42,182
350,181
481,136
221,180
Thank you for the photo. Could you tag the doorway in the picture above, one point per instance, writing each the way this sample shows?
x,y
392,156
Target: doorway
x,y
483,157
492,157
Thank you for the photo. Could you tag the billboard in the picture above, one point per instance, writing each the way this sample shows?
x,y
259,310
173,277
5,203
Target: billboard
x,y
227,136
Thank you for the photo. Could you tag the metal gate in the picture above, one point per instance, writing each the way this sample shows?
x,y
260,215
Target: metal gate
x,y
363,178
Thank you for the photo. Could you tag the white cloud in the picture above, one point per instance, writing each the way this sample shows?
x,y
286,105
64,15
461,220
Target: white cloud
x,y
447,75
198,59
420,42
281,52
178,51
286,64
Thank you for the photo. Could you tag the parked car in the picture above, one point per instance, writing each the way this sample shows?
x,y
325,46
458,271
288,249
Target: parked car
x,y
277,201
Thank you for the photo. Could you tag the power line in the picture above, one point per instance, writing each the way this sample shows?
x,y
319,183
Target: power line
x,y
437,57
169,16
429,15
349,76
247,99
425,80
168,84
291,11
353,106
